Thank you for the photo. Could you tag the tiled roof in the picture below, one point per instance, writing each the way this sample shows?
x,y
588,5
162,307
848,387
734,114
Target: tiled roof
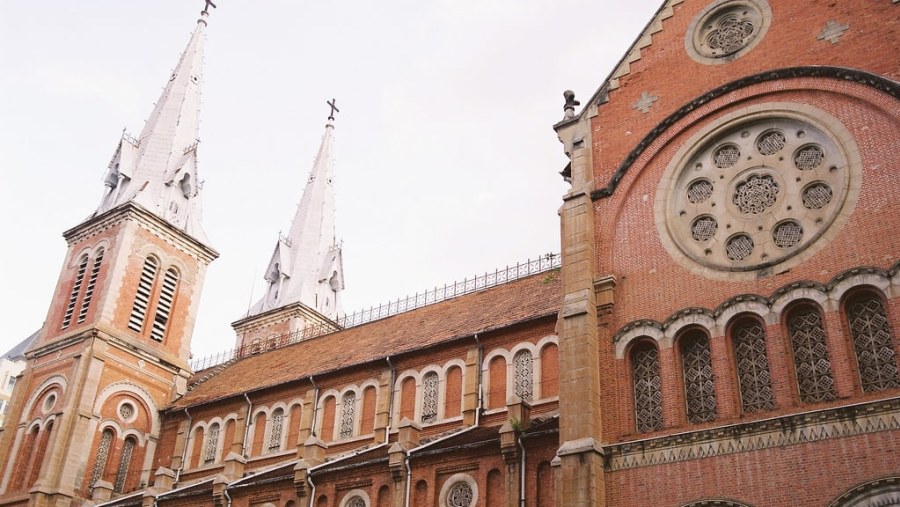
x,y
17,353
494,308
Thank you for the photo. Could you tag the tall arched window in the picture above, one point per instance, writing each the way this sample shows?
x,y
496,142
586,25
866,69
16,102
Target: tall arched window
x,y
647,387
348,414
696,363
524,365
76,289
124,465
92,283
814,378
430,397
276,431
754,379
103,448
212,444
142,296
164,306
872,342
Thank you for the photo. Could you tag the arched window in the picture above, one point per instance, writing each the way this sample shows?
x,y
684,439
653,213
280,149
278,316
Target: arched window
x,y
814,378
124,465
497,378
212,444
164,306
76,289
754,379
524,365
142,296
276,431
106,439
872,342
647,387
92,283
430,397
348,413
696,363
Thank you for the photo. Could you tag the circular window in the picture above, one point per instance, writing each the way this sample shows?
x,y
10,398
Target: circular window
x,y
49,402
127,411
726,29
460,490
757,189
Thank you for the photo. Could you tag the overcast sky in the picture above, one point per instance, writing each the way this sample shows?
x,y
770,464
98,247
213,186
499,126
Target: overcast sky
x,y
446,162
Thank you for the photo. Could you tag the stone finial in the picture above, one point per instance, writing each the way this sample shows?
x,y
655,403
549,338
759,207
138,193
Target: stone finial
x,y
163,479
234,466
409,433
571,103
314,450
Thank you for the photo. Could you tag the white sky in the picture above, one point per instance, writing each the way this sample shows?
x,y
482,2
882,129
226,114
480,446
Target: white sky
x,y
446,163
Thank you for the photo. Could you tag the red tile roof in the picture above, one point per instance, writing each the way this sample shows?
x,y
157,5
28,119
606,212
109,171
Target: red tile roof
x,y
501,306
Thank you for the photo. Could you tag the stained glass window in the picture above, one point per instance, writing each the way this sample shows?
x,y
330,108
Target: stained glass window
x,y
429,397
699,392
872,343
811,361
524,365
754,378
647,388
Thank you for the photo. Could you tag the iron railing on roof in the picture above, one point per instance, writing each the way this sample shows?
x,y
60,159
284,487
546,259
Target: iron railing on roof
x,y
501,276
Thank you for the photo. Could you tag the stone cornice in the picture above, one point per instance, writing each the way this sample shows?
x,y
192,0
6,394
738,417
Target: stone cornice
x,y
846,421
161,228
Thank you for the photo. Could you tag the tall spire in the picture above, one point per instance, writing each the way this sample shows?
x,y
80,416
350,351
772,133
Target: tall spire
x,y
306,266
158,169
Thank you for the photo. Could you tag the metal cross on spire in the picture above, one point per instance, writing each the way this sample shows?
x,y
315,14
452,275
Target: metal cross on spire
x,y
207,6
334,109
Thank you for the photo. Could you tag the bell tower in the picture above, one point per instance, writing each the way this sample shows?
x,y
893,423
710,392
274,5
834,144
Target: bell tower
x,y
116,340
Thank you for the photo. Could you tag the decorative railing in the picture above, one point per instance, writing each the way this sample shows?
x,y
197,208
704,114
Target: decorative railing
x,y
501,276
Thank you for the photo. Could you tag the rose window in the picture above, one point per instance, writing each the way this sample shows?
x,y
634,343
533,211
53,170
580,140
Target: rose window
x,y
460,495
754,192
725,30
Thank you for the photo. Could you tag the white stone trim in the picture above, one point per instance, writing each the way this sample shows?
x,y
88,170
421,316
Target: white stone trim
x,y
878,282
756,308
141,396
799,294
652,332
354,493
38,393
453,479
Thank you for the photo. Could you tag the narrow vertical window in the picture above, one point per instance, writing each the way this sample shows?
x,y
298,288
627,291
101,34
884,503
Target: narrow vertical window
x,y
164,307
277,430
429,397
524,374
142,297
872,343
647,388
102,457
76,289
92,282
124,465
814,378
212,445
348,412
754,379
699,392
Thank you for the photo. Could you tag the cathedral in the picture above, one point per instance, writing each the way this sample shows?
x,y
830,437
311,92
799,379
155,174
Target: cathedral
x,y
720,329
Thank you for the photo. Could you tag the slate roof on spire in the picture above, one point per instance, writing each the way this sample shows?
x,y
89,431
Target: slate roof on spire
x,y
158,169
306,266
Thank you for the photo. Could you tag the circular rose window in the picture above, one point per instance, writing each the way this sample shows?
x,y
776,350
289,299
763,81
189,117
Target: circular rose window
x,y
755,190
727,29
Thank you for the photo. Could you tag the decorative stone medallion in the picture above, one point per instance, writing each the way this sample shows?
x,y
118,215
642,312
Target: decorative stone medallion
x,y
756,189
726,29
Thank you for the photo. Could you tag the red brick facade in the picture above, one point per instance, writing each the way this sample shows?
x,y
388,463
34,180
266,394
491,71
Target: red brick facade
x,y
646,371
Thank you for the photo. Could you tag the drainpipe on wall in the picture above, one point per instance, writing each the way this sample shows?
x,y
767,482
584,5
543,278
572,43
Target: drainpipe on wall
x,y
187,442
227,496
247,426
414,449
312,490
521,472
315,412
480,380
387,430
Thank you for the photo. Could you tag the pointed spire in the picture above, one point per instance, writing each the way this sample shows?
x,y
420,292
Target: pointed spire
x,y
158,169
306,266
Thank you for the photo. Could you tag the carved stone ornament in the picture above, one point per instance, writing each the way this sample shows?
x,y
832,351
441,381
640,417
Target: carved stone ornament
x,y
726,29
